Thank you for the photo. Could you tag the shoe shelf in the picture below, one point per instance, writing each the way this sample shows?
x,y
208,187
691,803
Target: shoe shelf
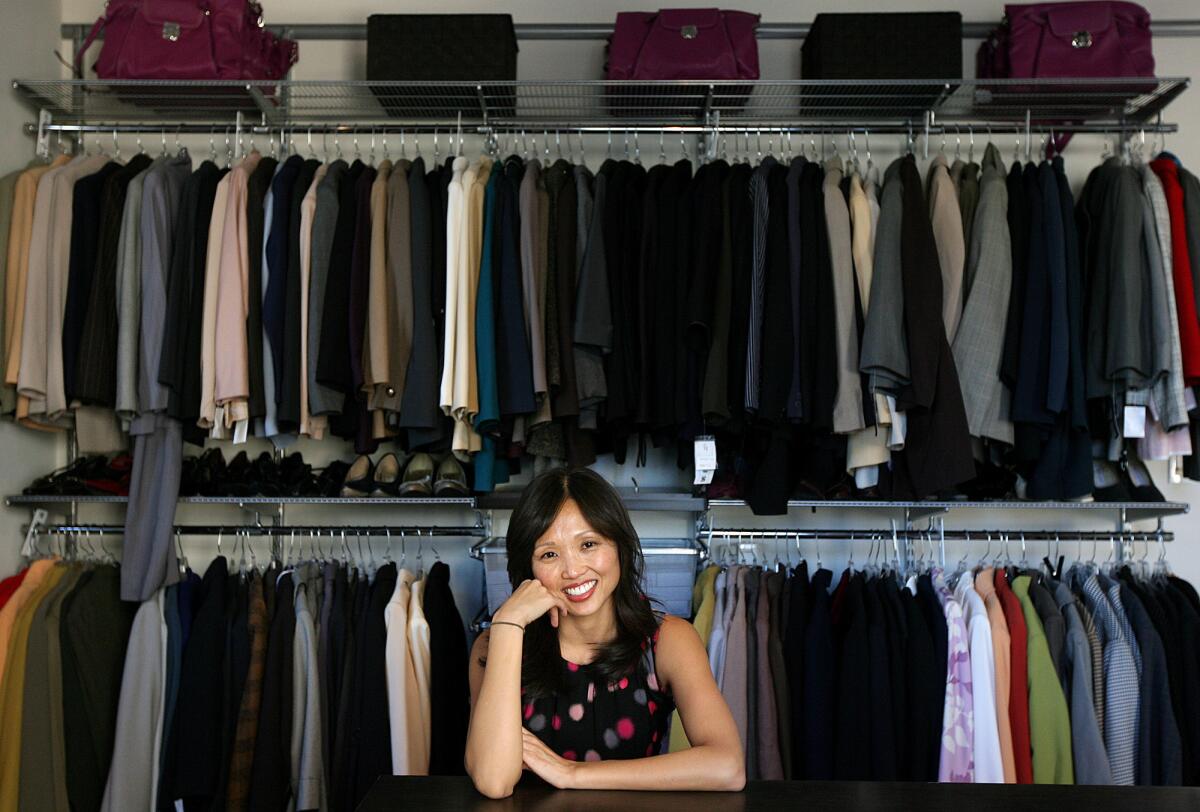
x,y
640,499
75,105
424,501
1124,511
661,500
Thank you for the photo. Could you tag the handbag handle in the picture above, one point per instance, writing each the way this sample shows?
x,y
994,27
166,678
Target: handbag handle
x,y
97,27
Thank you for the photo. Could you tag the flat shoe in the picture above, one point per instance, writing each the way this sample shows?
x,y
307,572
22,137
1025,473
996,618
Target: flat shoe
x,y
418,476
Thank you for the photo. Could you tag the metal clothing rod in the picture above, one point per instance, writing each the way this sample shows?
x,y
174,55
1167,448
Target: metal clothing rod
x,y
408,533
949,535
600,31
391,128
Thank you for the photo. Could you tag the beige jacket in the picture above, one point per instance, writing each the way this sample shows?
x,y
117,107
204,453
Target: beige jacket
x,y
232,389
20,237
454,227
208,324
951,247
868,446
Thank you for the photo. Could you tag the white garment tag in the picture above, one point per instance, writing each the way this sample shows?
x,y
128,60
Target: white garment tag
x,y
705,454
179,805
1135,422
31,537
240,429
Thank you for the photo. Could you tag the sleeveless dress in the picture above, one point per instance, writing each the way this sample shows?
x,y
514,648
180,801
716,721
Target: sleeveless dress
x,y
594,720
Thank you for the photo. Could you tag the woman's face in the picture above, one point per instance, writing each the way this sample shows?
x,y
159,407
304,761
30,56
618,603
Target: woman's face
x,y
576,561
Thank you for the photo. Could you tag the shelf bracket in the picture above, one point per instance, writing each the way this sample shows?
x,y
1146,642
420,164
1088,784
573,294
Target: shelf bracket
x,y
43,133
260,100
483,108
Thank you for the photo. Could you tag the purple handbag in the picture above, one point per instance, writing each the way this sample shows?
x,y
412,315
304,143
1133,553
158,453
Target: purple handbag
x,y
682,43
187,39
1069,40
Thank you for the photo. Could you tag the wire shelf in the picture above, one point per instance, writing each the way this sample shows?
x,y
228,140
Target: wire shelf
x,y
572,104
424,501
1131,511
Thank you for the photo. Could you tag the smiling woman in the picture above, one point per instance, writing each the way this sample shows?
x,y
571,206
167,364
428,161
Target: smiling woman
x,y
578,676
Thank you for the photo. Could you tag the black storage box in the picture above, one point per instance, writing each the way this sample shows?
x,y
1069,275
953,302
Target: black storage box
x,y
871,47
918,45
418,48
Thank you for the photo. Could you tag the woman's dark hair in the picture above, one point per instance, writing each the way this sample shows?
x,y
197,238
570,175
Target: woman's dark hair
x,y
601,506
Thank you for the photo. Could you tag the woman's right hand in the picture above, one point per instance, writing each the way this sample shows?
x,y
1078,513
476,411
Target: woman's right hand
x,y
529,601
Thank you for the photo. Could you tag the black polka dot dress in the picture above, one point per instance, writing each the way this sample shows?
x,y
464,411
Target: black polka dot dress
x,y
594,720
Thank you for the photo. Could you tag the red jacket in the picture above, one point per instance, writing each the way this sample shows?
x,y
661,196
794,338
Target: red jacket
x,y
1018,690
1181,268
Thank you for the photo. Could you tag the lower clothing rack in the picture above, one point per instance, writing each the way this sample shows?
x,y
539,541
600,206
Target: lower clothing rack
x,y
419,531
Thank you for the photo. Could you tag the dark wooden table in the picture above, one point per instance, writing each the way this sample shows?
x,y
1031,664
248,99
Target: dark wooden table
x,y
441,793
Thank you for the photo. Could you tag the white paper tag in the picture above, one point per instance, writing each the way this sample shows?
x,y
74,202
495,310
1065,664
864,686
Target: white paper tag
x,y
1135,422
706,452
704,476
31,536
241,430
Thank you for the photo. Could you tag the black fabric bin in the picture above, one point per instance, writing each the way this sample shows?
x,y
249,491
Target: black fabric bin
x,y
870,47
419,48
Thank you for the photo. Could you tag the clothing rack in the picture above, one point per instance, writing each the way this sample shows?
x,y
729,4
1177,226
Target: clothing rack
x,y
397,531
482,548
783,534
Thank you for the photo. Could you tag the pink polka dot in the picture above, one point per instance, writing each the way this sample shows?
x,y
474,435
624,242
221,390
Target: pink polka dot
x,y
625,728
591,755
624,683
652,706
575,712
569,755
654,737
556,722
529,711
591,692
650,750
572,666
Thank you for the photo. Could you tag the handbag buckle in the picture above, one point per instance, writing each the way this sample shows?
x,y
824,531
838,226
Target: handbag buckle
x,y
688,32
1082,39
170,32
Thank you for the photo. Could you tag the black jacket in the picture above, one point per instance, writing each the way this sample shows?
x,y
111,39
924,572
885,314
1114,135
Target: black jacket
x,y
937,453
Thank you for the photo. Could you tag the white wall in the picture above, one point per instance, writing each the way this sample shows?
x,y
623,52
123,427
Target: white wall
x,y
27,42
579,60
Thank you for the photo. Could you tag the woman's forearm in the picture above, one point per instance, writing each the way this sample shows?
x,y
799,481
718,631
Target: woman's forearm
x,y
493,755
707,767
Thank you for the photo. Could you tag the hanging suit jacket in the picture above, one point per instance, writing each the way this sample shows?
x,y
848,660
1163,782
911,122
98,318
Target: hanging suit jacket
x,y
937,453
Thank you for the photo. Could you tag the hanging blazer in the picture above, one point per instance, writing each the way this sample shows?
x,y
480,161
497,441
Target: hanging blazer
x,y
884,355
937,452
979,343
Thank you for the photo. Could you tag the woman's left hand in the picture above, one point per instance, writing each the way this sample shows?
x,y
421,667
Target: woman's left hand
x,y
547,764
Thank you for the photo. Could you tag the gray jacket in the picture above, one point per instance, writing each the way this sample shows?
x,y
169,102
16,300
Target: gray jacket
x,y
979,344
1168,390
1087,747
322,399
884,345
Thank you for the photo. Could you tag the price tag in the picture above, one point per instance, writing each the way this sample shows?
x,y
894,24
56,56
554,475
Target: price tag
x,y
1135,422
705,452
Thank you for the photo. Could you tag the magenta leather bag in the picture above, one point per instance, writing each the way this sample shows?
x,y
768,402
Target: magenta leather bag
x,y
187,39
1069,40
681,43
